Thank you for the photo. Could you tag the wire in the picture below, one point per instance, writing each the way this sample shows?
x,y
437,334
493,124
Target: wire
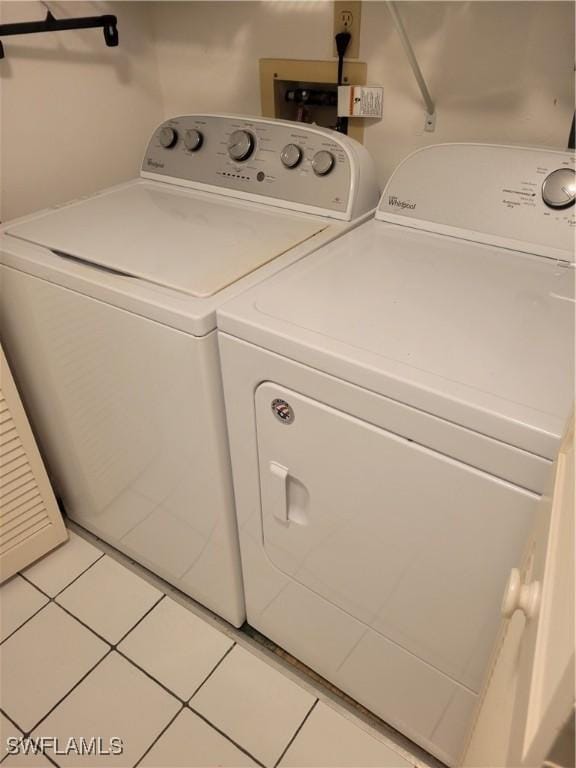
x,y
342,41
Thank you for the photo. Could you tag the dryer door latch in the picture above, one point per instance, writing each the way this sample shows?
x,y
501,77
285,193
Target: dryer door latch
x,y
280,492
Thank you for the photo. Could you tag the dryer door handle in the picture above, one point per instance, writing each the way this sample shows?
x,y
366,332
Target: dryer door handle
x,y
279,476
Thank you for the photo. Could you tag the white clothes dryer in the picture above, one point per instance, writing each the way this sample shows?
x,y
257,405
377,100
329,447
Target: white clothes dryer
x,y
108,317
394,406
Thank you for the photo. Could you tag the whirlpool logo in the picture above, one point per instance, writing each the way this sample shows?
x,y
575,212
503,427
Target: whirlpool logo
x,y
397,203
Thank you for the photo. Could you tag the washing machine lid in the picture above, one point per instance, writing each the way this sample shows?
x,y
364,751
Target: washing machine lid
x,y
479,335
197,243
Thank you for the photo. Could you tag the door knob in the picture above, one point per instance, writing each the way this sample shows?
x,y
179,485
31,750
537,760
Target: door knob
x,y
520,597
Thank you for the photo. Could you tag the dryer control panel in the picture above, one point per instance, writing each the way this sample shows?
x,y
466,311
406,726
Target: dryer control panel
x,y
295,164
516,197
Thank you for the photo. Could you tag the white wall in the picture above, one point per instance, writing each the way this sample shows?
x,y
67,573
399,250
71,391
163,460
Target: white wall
x,y
74,114
498,71
208,52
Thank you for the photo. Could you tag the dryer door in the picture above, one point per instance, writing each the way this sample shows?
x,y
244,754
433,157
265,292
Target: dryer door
x,y
414,544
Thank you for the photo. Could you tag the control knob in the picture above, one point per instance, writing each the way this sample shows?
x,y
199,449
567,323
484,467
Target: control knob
x,y
167,137
240,145
193,140
291,155
559,188
322,162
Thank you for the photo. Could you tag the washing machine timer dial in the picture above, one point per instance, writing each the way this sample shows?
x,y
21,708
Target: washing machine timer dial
x,y
167,137
240,145
559,188
193,140
291,156
323,162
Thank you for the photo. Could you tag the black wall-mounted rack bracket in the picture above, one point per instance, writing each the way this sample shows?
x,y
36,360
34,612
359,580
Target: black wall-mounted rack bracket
x,y
108,23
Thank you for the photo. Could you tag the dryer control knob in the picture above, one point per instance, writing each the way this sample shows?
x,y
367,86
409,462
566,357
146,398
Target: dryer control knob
x,y
193,140
559,188
322,162
240,145
291,155
167,137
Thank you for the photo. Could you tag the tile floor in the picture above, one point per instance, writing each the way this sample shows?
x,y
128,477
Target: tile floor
x,y
89,648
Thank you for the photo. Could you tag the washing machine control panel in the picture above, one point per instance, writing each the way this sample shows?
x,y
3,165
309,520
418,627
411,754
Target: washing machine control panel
x,y
294,164
515,197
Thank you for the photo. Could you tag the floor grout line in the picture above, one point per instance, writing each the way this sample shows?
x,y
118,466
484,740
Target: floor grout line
x,y
186,704
18,728
312,683
140,620
50,760
31,583
48,597
8,755
86,626
174,593
112,647
343,704
25,622
157,739
53,597
236,637
225,735
80,575
209,675
293,739
7,716
14,723
98,635
81,680
150,676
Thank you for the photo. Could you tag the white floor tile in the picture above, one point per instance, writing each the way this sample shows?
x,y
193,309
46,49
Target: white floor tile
x,y
42,661
18,601
115,700
329,740
109,598
7,730
63,565
176,647
255,705
191,743
27,761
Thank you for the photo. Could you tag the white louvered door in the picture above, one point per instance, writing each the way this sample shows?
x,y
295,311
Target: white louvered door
x,y
526,718
30,521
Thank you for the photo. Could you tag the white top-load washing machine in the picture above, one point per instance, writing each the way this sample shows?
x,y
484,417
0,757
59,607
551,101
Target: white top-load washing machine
x,y
108,315
394,406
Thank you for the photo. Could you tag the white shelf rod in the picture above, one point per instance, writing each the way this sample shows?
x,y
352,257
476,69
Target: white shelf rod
x,y
430,108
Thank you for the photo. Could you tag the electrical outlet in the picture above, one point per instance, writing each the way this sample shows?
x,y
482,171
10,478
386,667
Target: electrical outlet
x,y
347,19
